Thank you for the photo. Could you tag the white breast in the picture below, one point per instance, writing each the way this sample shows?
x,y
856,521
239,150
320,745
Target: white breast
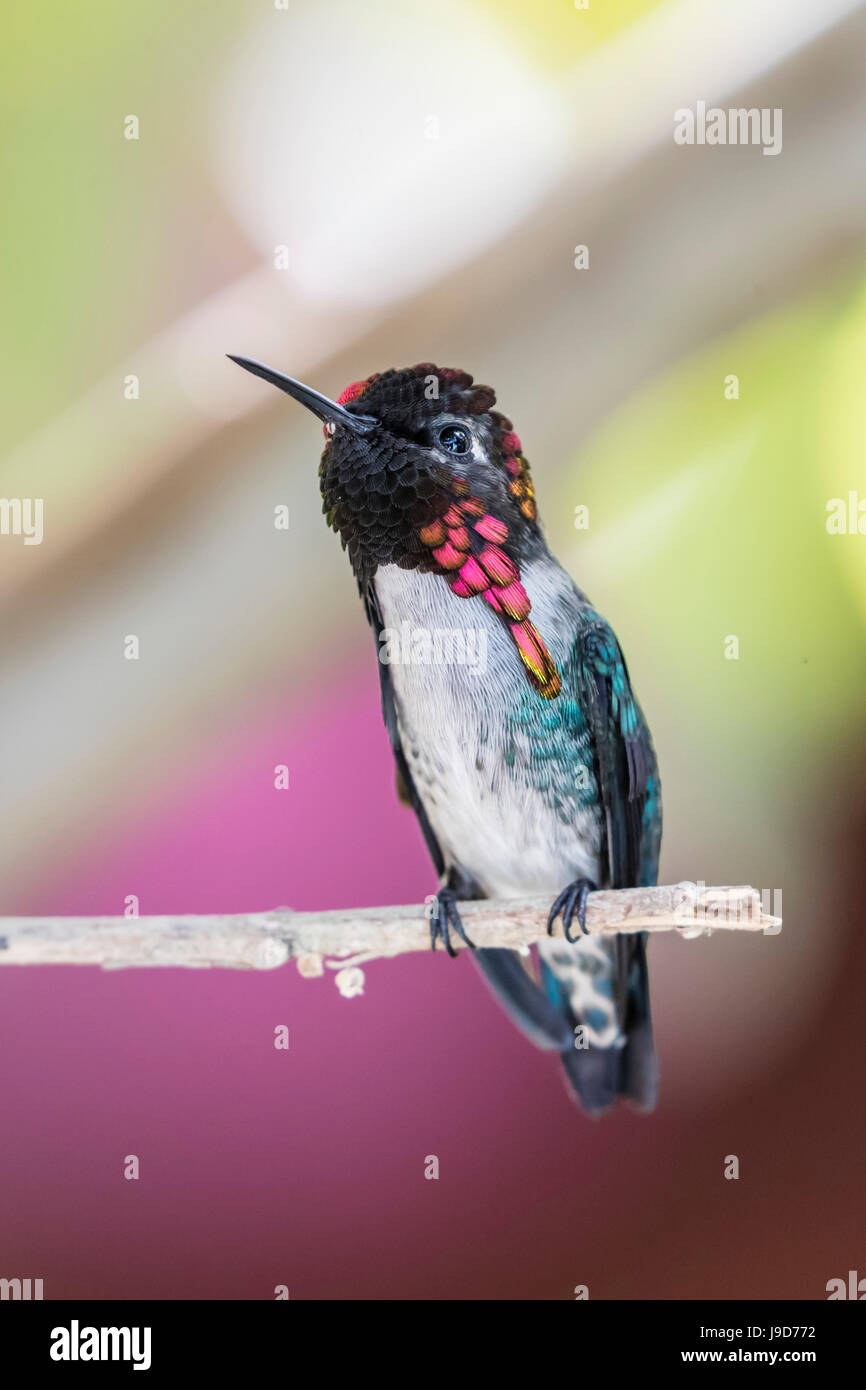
x,y
457,679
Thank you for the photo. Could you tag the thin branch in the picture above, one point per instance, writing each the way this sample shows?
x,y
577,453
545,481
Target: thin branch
x,y
345,938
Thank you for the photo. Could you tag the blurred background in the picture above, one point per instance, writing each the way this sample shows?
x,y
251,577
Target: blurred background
x,y
338,189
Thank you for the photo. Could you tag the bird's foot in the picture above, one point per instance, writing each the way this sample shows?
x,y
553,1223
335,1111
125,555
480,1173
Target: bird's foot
x,y
443,916
570,903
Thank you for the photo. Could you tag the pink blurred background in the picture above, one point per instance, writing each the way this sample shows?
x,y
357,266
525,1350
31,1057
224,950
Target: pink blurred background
x,y
305,1167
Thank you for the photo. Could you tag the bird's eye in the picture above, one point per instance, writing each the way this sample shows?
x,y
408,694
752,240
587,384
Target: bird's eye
x,y
455,439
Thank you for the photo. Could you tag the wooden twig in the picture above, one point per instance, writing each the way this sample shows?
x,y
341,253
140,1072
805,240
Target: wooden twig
x,y
344,939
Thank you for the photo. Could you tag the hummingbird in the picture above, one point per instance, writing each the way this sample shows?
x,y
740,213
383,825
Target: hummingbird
x,y
531,771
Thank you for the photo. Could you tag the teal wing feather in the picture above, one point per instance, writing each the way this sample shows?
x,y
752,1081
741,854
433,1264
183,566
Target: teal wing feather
x,y
625,762
601,982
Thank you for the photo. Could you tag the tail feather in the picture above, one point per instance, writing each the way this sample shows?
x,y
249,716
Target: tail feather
x,y
603,989
527,1006
639,1070
593,1010
593,1076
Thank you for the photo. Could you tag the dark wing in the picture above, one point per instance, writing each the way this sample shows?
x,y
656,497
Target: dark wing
x,y
628,790
625,761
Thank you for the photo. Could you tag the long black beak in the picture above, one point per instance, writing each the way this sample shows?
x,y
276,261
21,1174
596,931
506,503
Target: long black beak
x,y
329,411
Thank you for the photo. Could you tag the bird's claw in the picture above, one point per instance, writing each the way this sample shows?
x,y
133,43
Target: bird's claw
x,y
571,903
443,916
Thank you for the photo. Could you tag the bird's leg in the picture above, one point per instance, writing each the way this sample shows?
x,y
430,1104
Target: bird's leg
x,y
443,916
571,902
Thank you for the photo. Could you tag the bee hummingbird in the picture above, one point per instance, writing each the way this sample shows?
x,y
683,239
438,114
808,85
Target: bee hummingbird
x,y
532,772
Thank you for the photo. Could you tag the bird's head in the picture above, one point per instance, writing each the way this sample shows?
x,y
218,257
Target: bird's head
x,y
402,449
420,471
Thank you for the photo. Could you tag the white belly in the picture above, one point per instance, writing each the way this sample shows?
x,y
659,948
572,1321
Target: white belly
x,y
453,716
